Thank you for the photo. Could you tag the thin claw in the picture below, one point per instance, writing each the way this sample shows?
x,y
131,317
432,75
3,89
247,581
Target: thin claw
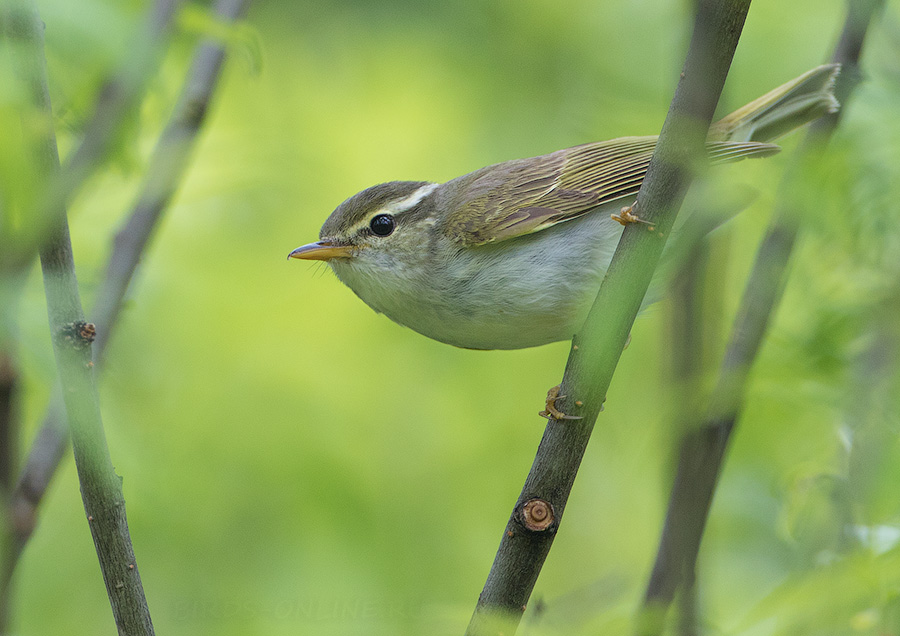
x,y
627,216
551,412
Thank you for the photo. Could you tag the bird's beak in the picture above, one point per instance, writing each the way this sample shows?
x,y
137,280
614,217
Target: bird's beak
x,y
321,251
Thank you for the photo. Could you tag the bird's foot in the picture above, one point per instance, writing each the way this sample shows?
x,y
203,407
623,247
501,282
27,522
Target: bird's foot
x,y
626,216
553,413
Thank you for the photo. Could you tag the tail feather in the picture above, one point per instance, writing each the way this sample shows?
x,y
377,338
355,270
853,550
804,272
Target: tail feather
x,y
783,109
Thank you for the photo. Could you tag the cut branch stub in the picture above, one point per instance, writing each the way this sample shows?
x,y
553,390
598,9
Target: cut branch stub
x,y
537,515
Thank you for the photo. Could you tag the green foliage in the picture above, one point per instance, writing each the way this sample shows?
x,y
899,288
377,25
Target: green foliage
x,y
294,463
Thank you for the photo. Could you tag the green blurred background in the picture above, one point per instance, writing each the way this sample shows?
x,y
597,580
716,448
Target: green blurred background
x,y
294,463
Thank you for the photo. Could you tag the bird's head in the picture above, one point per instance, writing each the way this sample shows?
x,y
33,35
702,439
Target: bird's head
x,y
384,219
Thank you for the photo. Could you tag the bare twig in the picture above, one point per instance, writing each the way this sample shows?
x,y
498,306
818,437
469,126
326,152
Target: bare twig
x,y
702,451
101,488
596,349
168,166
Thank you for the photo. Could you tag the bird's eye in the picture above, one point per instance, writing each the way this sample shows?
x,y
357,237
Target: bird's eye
x,y
382,224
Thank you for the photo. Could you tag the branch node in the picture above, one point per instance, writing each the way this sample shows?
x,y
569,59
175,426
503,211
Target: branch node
x,y
78,334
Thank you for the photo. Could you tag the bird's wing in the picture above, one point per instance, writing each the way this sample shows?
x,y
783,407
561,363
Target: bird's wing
x,y
530,195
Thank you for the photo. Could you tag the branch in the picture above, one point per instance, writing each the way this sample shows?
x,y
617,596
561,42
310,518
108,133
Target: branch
x,y
9,431
166,170
101,489
702,451
688,338
597,347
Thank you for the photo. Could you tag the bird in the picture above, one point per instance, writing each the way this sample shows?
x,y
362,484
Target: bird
x,y
512,255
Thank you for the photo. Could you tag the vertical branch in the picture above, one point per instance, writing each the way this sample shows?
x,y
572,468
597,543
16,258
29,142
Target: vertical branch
x,y
101,488
167,167
702,451
687,335
536,516
8,441
10,429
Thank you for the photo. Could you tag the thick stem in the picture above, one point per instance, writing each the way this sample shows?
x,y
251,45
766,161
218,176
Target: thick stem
x,y
101,488
596,349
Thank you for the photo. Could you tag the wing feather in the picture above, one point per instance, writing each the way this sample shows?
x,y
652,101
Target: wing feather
x,y
529,195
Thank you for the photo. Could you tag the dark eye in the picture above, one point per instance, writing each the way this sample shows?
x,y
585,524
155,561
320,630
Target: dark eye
x,y
382,224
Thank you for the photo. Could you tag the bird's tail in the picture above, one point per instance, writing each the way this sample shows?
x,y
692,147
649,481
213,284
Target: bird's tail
x,y
783,109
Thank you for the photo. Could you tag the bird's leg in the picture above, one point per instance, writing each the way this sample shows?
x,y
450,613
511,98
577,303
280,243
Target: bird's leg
x,y
627,216
551,412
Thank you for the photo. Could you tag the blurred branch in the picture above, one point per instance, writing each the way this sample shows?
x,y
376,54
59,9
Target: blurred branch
x,y
688,338
597,347
165,172
101,489
9,429
119,98
8,383
702,451
873,403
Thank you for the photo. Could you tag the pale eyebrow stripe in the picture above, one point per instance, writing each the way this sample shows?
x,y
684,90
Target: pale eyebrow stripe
x,y
411,200
395,207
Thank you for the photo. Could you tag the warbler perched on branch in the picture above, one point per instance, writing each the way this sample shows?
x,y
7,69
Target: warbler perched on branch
x,y
512,255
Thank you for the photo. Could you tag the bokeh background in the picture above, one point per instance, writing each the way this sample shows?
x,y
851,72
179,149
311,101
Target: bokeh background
x,y
294,463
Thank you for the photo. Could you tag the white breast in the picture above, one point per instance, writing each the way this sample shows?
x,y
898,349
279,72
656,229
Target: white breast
x,y
523,292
